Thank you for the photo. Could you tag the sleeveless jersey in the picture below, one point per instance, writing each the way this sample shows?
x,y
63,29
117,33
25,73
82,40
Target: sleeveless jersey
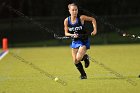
x,y
77,28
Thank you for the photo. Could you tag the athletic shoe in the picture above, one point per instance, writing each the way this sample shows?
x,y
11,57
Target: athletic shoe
x,y
83,77
86,59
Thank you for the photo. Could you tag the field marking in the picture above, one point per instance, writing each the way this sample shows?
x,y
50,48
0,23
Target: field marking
x,y
111,71
3,54
38,69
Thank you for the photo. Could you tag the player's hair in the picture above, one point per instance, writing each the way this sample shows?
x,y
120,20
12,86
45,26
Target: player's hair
x,y
72,4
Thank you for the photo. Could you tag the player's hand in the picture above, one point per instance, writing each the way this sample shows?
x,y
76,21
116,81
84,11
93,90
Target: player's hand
x,y
75,36
93,33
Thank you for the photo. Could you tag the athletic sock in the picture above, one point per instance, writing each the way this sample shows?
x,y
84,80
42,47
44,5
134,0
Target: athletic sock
x,y
84,57
80,68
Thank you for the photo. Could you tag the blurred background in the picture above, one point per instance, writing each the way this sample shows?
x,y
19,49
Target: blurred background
x,y
28,23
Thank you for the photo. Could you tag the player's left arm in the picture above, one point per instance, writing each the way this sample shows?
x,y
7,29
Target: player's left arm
x,y
87,18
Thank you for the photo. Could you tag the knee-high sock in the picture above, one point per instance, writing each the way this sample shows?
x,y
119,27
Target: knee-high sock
x,y
80,68
84,57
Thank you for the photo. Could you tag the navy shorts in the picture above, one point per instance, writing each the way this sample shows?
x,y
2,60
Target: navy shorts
x,y
78,43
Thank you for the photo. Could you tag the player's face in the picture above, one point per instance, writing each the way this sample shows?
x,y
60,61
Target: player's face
x,y
73,10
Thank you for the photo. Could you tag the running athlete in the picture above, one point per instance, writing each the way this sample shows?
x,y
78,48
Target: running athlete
x,y
74,27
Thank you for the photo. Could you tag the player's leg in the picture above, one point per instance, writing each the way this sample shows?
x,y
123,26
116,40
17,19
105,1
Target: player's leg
x,y
74,53
86,57
81,52
86,60
78,63
83,56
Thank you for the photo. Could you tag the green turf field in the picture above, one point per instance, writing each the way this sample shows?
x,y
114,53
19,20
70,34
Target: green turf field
x,y
31,70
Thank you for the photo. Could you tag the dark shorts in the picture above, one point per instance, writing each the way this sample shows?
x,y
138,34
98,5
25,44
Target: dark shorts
x,y
78,43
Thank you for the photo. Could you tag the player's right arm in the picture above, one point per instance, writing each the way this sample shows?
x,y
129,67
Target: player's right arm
x,y
66,27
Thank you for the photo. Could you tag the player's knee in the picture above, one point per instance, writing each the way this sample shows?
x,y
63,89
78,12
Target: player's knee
x,y
75,61
78,59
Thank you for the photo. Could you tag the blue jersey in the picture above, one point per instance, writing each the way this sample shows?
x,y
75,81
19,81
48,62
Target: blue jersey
x,y
78,28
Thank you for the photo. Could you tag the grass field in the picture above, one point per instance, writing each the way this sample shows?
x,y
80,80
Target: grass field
x,y
17,75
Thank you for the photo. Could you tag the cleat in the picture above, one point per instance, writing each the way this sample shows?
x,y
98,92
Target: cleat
x,y
83,77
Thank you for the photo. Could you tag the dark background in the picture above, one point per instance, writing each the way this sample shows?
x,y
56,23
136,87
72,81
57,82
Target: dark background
x,y
59,7
122,14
